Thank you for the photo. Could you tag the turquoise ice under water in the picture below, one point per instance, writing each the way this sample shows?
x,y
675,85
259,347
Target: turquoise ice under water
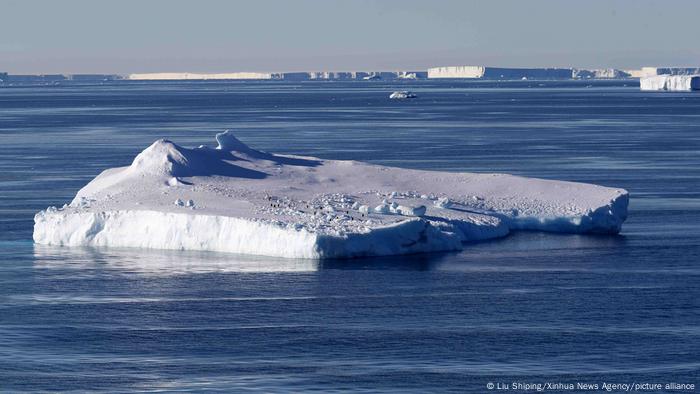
x,y
529,308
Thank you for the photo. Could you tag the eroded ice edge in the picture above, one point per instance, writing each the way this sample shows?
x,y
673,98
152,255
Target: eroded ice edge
x,y
236,199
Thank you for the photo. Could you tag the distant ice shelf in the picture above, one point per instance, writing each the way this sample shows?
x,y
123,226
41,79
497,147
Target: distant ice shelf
x,y
482,72
450,72
288,76
508,73
200,76
233,198
682,83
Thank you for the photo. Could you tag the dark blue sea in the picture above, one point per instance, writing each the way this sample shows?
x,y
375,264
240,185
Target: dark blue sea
x,y
532,308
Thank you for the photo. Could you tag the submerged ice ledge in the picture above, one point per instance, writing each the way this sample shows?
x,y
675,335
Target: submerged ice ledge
x,y
233,198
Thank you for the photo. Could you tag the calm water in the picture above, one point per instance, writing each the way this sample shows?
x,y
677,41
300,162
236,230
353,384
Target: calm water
x,y
530,308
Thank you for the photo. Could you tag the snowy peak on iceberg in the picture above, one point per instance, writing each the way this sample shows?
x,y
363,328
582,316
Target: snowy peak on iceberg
x,y
228,142
167,159
231,158
231,147
163,157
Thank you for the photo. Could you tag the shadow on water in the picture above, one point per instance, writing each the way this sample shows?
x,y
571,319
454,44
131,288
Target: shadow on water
x,y
412,262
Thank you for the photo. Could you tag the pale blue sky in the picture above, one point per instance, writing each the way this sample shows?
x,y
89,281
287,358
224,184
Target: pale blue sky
x,y
82,36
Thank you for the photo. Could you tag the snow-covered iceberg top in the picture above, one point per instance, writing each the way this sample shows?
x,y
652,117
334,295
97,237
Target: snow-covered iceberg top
x,y
233,198
681,83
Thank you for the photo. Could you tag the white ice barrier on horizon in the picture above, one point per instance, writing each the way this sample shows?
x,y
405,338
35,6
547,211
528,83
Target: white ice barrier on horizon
x,y
499,73
599,73
199,76
289,76
681,83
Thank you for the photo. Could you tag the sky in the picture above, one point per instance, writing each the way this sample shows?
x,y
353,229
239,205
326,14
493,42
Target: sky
x,y
126,36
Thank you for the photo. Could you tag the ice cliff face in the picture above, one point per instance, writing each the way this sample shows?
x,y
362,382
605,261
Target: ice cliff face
x,y
599,73
670,82
354,75
457,72
200,76
234,198
499,73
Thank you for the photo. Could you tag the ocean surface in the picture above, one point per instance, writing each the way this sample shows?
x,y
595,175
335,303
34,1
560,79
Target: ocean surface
x,y
530,308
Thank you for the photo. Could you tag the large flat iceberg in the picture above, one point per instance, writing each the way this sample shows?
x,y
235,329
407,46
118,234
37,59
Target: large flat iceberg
x,y
233,198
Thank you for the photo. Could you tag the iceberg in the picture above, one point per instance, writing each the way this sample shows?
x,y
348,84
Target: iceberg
x,y
681,83
402,94
233,198
407,75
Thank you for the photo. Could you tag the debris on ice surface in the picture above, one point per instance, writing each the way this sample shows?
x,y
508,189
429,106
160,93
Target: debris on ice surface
x,y
382,208
443,202
410,211
402,94
681,83
253,202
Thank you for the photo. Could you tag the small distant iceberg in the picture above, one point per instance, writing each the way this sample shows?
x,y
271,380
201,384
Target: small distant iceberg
x,y
402,94
676,83
372,77
407,75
